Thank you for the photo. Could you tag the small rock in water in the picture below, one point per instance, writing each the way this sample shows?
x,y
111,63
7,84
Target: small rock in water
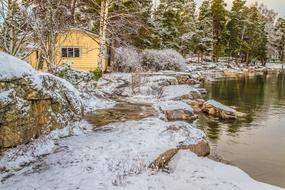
x,y
216,109
177,110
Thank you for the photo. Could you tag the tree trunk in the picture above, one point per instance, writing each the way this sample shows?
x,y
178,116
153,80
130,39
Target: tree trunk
x,y
198,58
103,31
73,7
247,59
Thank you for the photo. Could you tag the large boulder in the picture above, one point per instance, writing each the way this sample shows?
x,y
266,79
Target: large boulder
x,y
197,105
187,79
180,92
177,110
201,149
216,109
33,103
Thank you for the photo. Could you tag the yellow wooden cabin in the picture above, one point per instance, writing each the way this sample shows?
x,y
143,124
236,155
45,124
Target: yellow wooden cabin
x,y
76,47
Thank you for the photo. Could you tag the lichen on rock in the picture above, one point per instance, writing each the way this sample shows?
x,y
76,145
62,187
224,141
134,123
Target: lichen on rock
x,y
33,103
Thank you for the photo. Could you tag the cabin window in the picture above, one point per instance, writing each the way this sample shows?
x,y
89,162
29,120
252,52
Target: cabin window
x,y
70,52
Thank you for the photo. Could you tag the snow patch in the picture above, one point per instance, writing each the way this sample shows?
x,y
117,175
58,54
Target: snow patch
x,y
174,105
23,155
106,157
175,91
7,96
13,68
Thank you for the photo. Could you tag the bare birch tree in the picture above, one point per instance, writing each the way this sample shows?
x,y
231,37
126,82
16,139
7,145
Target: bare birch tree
x,y
14,33
116,21
48,19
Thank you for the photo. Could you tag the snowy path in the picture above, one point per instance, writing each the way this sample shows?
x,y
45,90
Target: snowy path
x,y
117,156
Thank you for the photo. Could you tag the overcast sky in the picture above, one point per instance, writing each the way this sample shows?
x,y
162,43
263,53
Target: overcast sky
x,y
277,5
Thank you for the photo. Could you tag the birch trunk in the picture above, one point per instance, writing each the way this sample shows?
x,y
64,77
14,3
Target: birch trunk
x,y
103,31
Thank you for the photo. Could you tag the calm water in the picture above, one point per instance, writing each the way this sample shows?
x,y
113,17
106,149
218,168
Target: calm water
x,y
256,144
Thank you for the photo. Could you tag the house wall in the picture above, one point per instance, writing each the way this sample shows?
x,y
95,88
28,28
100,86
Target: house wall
x,y
89,51
32,59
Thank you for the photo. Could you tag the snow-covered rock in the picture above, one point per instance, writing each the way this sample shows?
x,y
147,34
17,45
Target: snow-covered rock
x,y
178,92
33,103
13,68
177,110
217,109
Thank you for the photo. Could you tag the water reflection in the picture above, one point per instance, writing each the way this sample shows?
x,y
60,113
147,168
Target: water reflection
x,y
259,139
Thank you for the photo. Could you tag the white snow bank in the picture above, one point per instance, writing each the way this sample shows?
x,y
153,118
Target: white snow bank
x,y
105,158
191,172
25,154
13,68
117,157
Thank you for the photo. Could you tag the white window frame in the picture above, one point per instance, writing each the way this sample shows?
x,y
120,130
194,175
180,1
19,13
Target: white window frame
x,y
69,47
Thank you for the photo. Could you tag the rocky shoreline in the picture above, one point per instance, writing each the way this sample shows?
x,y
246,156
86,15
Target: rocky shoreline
x,y
140,129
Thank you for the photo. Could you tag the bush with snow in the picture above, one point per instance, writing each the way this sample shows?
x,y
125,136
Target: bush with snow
x,y
127,59
84,81
157,60
74,76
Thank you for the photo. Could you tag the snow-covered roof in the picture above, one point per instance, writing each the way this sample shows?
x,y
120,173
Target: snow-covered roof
x,y
13,68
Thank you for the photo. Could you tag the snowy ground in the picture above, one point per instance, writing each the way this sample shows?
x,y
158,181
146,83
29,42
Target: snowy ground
x,y
117,156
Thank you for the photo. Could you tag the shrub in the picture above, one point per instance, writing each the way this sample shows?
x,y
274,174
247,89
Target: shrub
x,y
97,74
127,59
168,59
75,77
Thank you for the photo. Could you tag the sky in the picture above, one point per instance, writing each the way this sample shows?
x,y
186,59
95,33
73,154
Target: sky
x,y
277,5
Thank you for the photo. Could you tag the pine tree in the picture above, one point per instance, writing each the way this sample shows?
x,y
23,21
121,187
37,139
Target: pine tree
x,y
269,16
188,33
173,22
236,28
280,38
205,30
219,15
254,45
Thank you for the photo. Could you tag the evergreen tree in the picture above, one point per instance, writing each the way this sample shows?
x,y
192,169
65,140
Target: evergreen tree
x,y
255,39
172,22
205,29
219,15
269,16
236,28
280,38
